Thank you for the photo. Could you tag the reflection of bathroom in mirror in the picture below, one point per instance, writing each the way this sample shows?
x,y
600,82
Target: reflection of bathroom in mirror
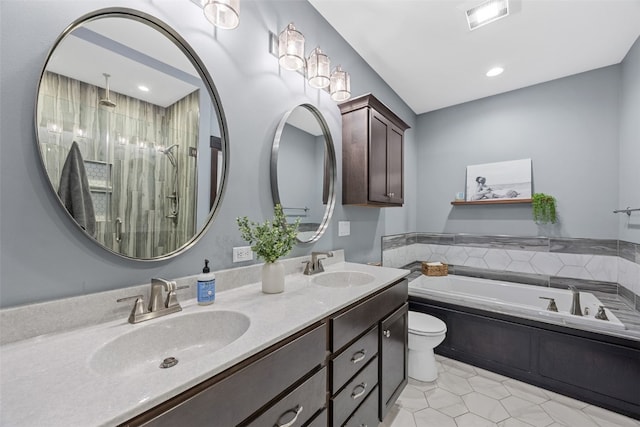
x,y
303,171
147,130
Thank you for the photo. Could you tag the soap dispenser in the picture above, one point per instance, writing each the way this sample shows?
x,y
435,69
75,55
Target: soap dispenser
x,y
206,285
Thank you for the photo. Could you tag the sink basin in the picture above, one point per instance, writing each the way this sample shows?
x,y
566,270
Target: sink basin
x,y
343,279
185,337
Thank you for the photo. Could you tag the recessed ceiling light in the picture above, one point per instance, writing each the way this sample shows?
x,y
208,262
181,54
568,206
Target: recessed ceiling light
x,y
143,88
495,71
487,12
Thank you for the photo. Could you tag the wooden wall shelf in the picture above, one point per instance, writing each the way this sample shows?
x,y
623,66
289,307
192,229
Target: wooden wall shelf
x,y
491,202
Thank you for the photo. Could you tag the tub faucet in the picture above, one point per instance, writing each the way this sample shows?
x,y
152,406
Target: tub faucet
x,y
576,310
315,265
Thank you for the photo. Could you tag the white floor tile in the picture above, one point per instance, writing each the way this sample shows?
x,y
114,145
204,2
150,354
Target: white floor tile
x,y
485,406
606,418
567,415
473,420
457,399
431,418
488,387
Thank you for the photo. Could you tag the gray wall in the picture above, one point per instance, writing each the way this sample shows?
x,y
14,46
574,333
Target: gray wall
x,y
630,145
42,254
568,127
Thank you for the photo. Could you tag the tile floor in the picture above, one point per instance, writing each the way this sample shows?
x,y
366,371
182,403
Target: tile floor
x,y
466,396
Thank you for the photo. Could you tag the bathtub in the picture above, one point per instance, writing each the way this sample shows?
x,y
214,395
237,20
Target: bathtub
x,y
515,299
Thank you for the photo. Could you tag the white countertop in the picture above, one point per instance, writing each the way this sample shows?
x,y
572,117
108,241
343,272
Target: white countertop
x,y
48,381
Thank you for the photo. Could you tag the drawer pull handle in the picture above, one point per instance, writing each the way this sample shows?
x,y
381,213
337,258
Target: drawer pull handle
x,y
386,333
297,410
359,356
360,393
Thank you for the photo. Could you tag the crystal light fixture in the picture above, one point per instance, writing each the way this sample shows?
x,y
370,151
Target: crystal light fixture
x,y
318,69
340,85
222,13
291,48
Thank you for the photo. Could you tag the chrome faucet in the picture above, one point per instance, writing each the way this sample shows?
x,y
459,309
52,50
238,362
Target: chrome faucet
x,y
575,302
158,306
315,265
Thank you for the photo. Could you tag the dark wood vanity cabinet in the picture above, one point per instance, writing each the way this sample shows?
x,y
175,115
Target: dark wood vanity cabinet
x,y
368,364
372,153
346,370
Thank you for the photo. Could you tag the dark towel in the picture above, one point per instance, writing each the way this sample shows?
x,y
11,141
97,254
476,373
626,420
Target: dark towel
x,y
74,190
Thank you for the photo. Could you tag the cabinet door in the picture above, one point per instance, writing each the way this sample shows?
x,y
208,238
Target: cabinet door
x,y
378,137
395,167
393,357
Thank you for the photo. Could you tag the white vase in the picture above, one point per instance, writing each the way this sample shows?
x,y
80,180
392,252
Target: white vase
x,y
272,277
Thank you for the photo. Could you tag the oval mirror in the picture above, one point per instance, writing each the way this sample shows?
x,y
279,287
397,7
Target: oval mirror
x,y
131,134
303,171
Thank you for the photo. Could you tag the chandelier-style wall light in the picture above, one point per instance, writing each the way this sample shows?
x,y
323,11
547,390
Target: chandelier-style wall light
x,y
288,47
223,14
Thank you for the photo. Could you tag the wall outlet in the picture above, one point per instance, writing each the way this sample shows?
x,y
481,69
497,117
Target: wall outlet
x,y
344,228
242,253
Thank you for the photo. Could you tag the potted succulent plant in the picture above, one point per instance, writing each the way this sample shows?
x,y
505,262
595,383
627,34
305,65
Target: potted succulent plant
x,y
270,241
544,208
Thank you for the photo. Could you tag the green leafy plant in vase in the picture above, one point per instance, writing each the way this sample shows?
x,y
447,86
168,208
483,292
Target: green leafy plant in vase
x,y
270,240
544,208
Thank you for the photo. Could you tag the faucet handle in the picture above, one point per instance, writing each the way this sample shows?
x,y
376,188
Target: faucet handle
x,y
138,307
552,304
171,299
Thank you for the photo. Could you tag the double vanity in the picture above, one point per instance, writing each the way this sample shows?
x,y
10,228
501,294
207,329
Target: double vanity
x,y
330,350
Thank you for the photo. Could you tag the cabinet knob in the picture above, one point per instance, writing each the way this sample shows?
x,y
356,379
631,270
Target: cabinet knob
x,y
356,394
391,194
358,356
297,410
386,333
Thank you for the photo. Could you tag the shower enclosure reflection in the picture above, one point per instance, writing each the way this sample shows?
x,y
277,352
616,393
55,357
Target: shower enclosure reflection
x,y
145,149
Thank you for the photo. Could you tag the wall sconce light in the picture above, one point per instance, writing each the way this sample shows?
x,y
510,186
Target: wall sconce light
x,y
222,13
340,88
291,48
318,69
288,47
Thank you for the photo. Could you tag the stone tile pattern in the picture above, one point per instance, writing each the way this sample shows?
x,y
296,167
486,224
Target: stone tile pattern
x,y
464,395
606,266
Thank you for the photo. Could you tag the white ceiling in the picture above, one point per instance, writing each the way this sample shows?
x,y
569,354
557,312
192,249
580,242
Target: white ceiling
x,y
424,50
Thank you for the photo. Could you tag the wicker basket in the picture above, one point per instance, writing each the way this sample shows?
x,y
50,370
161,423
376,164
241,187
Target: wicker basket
x,y
435,270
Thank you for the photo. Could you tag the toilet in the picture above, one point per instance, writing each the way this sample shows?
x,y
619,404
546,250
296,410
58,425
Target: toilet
x,y
425,333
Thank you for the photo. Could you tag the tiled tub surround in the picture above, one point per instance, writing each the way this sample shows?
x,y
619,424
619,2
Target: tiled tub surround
x,y
48,377
607,266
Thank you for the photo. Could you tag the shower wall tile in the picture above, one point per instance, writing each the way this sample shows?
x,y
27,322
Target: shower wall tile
x,y
575,272
520,267
628,295
497,259
603,268
435,239
546,263
506,276
539,244
396,257
524,256
394,241
627,250
585,246
583,285
457,255
423,252
412,238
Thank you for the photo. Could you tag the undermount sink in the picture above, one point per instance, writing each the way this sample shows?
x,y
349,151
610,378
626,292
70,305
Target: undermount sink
x,y
343,279
184,337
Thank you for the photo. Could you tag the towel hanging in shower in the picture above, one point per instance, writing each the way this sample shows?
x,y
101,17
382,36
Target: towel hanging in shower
x,y
74,190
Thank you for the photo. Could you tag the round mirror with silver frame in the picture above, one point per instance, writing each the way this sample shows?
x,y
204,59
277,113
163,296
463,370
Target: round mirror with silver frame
x,y
131,134
303,171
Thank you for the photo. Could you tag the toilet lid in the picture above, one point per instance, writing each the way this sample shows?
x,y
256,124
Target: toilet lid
x,y
423,324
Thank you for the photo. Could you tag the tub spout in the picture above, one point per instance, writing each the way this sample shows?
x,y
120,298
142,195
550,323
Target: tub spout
x,y
576,310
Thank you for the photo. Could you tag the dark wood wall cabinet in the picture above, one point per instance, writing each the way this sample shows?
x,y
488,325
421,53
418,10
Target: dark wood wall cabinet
x,y
372,153
346,370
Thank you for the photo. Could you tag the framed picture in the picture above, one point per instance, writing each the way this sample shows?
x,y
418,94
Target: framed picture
x,y
501,180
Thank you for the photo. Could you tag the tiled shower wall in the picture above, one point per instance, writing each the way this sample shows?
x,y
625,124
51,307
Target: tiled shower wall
x,y
611,266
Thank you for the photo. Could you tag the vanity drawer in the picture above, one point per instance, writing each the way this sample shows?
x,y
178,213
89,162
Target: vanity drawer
x,y
320,420
343,404
367,414
353,322
249,388
299,405
353,358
